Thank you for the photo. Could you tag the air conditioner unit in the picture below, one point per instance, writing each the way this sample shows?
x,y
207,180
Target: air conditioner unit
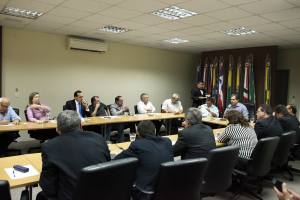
x,y
86,44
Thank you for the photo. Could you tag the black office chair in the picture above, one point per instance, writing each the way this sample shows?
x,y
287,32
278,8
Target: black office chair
x,y
179,180
107,181
4,190
282,153
218,174
64,107
251,110
257,167
136,109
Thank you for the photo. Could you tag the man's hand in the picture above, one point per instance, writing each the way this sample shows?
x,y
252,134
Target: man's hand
x,y
16,122
286,194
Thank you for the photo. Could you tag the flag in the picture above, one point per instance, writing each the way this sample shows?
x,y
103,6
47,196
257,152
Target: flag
x,y
221,81
267,95
246,82
215,79
210,79
229,79
198,73
204,76
238,77
251,81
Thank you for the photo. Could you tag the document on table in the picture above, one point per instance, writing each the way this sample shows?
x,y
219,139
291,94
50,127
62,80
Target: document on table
x,y
14,174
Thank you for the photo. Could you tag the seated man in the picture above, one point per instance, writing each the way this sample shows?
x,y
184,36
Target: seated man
x,y
287,121
235,105
151,151
209,109
78,104
145,106
64,156
173,105
117,109
266,125
196,139
7,115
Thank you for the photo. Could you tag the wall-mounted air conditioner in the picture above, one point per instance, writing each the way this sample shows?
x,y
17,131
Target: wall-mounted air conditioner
x,y
86,44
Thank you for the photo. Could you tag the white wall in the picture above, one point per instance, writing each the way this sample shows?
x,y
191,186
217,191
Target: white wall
x,y
290,59
35,61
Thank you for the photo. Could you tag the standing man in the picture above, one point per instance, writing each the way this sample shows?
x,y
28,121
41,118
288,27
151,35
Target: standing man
x,y
235,105
78,104
7,115
198,94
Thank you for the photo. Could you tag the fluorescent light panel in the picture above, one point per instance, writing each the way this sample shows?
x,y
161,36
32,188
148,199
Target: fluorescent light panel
x,y
19,12
113,29
174,13
176,40
239,31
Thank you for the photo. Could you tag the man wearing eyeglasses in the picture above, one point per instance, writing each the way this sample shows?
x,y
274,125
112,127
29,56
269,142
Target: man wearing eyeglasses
x,y
236,105
7,116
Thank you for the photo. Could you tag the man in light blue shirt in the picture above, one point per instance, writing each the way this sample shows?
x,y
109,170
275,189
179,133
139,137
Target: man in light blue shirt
x,y
7,115
235,105
209,109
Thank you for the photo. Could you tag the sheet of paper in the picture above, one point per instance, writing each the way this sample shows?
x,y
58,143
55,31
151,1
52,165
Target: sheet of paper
x,y
14,174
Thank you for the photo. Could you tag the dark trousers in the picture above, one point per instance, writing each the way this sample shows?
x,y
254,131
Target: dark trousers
x,y
43,134
121,127
41,196
138,195
101,129
6,139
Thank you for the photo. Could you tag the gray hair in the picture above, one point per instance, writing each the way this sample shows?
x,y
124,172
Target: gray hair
x,y
193,116
175,96
68,121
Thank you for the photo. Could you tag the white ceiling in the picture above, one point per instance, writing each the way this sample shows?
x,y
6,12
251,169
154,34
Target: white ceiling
x,y
277,22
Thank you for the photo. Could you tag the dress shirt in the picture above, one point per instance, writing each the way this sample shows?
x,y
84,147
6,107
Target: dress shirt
x,y
203,108
240,107
115,110
78,108
168,106
10,115
142,107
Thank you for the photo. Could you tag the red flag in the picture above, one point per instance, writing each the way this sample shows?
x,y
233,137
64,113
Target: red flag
x,y
246,82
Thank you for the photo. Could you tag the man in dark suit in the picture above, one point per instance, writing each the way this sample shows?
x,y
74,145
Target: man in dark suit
x,y
64,156
266,125
78,104
198,94
196,140
151,150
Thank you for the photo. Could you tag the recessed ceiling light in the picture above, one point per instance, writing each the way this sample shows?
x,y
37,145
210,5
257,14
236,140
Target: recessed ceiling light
x,y
113,29
18,12
176,40
239,31
173,13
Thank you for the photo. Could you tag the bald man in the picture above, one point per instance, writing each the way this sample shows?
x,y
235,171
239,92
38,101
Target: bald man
x,y
7,115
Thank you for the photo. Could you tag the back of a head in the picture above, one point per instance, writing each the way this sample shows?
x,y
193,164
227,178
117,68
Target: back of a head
x,y
266,108
68,121
281,109
145,128
193,116
293,108
236,117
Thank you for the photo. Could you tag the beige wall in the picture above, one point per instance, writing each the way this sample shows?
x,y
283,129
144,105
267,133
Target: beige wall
x,y
290,59
35,61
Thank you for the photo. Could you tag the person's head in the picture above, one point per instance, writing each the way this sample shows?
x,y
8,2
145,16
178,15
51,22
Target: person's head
x,y
78,96
193,116
200,85
175,98
280,111
234,100
210,101
68,121
144,97
236,117
291,109
264,111
95,100
119,100
4,104
145,128
34,98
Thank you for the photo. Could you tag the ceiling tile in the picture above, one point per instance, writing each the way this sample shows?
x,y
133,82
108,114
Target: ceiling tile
x,y
220,26
203,5
265,6
195,31
238,2
53,2
87,24
129,25
149,19
249,21
173,25
291,23
68,12
268,27
142,5
31,5
199,20
152,29
97,18
86,5
295,2
228,14
120,13
112,2
48,18
283,15
172,2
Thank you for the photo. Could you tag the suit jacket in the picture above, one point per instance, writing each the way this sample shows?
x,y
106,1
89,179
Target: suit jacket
x,y
64,156
194,142
289,123
196,93
71,105
151,152
269,127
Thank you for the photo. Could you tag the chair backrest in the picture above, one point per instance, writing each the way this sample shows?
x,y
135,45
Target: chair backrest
x,y
251,110
25,114
4,190
17,111
107,181
64,107
262,156
221,162
282,151
179,180
108,109
136,110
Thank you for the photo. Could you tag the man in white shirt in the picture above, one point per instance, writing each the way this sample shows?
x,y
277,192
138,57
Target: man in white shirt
x,y
173,105
145,106
209,109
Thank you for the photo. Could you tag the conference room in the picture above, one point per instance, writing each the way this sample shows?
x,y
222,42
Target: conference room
x,y
203,72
